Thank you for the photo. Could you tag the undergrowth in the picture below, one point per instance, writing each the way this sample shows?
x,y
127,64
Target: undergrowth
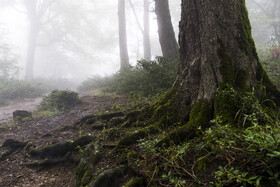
x,y
147,78
18,90
10,87
59,101
244,152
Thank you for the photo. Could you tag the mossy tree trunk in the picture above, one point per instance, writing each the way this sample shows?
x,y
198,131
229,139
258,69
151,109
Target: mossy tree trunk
x,y
216,48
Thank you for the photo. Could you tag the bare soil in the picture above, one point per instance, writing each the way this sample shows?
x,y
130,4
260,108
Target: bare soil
x,y
45,131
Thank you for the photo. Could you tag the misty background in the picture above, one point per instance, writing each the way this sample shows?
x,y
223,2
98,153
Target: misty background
x,y
82,40
79,39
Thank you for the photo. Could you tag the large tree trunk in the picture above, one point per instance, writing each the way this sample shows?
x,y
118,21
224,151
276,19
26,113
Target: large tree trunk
x,y
146,32
122,35
34,25
166,33
216,50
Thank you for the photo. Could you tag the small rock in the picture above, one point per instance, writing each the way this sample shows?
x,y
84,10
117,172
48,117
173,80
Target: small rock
x,y
19,115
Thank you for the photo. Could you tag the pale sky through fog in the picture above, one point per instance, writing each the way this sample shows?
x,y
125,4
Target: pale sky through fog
x,y
104,61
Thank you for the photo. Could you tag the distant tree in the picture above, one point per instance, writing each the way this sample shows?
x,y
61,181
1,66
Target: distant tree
x,y
34,17
122,35
146,32
39,14
146,29
166,32
48,23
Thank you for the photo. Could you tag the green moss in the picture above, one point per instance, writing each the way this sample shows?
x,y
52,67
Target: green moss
x,y
136,182
202,163
267,88
86,178
146,113
169,109
110,177
177,136
95,158
131,139
132,116
164,109
225,104
80,172
238,78
245,37
84,172
200,116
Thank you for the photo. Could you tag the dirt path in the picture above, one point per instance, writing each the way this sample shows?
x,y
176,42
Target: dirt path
x,y
6,112
45,131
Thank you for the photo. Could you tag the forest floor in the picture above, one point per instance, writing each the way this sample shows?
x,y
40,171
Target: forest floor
x,y
42,131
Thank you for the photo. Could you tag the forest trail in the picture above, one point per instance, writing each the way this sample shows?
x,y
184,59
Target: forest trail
x,y
6,112
15,167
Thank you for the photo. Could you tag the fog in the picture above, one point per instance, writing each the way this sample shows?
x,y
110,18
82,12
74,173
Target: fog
x,y
79,39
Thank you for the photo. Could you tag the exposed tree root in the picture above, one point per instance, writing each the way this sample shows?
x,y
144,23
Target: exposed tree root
x,y
61,149
10,146
66,128
52,161
90,119
110,177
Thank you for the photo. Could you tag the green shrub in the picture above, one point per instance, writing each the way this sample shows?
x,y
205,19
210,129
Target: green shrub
x,y
147,78
18,90
60,100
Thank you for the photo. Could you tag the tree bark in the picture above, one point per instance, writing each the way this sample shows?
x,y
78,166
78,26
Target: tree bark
x,y
146,33
216,49
166,32
122,36
34,27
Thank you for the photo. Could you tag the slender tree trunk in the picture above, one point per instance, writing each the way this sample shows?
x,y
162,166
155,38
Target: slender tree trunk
x,y
34,25
275,24
166,32
146,33
122,35
31,49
